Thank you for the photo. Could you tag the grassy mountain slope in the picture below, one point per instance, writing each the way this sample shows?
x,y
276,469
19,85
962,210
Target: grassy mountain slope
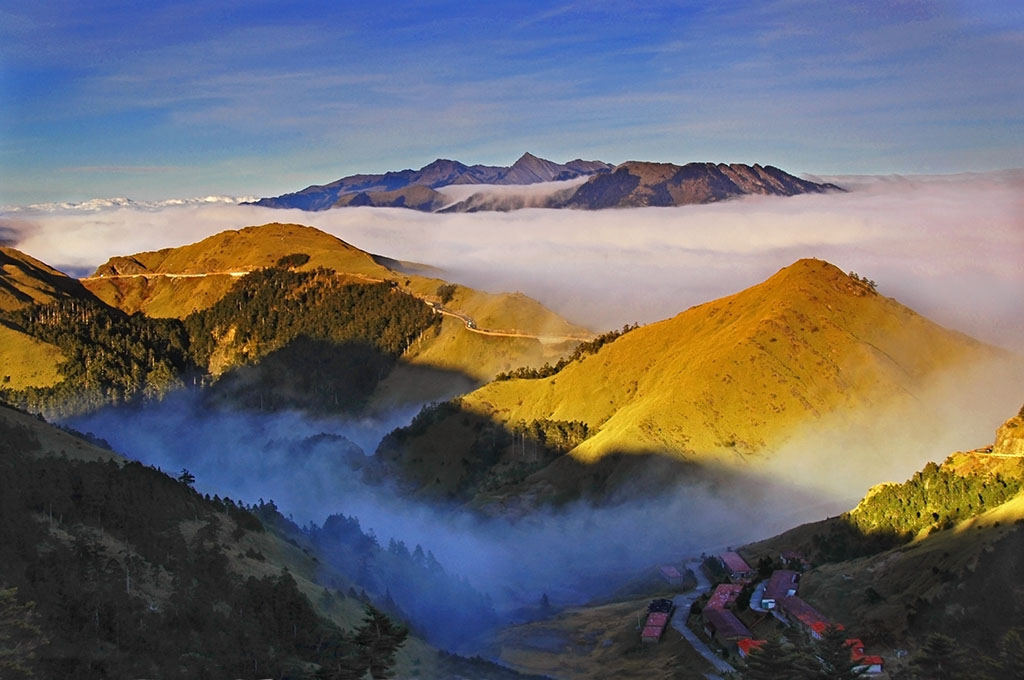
x,y
738,374
57,350
26,281
251,248
243,250
939,553
599,642
27,361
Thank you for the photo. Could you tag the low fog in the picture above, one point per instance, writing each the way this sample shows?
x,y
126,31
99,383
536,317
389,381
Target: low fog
x,y
948,246
505,197
311,468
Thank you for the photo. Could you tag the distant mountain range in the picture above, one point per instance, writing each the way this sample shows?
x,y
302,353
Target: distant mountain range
x,y
527,170
98,204
631,184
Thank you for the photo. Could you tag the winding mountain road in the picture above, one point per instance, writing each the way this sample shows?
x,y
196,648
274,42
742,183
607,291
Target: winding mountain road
x,y
467,321
158,275
471,327
682,603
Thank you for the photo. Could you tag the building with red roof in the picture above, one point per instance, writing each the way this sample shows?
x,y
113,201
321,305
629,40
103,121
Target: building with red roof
x,y
782,583
798,611
867,664
652,634
736,566
724,596
671,575
722,626
655,625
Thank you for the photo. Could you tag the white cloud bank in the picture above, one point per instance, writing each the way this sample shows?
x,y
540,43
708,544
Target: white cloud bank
x,y
951,247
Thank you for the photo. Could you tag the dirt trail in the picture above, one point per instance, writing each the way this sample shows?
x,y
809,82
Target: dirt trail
x,y
467,321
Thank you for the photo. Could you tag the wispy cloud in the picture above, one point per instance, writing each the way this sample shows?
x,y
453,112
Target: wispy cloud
x,y
899,87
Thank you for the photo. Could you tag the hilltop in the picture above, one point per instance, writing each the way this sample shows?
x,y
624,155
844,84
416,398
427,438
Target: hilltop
x,y
630,184
425,337
26,282
723,381
176,282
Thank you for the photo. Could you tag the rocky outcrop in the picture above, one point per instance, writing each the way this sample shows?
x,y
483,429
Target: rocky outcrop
x,y
1010,436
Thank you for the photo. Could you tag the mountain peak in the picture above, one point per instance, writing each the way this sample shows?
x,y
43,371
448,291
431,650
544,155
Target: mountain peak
x,y
630,184
816,278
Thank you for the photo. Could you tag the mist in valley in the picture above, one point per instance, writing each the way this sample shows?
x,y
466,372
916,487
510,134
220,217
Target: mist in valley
x,y
312,468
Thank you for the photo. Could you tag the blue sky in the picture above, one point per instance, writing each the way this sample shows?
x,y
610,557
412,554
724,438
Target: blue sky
x,y
183,99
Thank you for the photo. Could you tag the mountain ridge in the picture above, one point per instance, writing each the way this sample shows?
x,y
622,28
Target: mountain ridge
x,y
720,382
528,169
474,336
629,184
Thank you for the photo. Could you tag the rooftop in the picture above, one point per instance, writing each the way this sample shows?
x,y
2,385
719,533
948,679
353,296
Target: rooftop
x,y
780,583
734,563
725,624
724,595
805,613
746,645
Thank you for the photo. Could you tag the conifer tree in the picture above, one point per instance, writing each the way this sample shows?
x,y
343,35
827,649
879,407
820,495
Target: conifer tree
x,y
834,656
380,638
940,658
771,661
1011,653
19,636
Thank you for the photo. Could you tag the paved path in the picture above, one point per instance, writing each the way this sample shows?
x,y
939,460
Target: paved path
x,y
682,603
471,327
158,275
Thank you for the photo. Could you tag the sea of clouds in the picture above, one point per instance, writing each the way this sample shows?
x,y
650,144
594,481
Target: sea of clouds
x,y
950,247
